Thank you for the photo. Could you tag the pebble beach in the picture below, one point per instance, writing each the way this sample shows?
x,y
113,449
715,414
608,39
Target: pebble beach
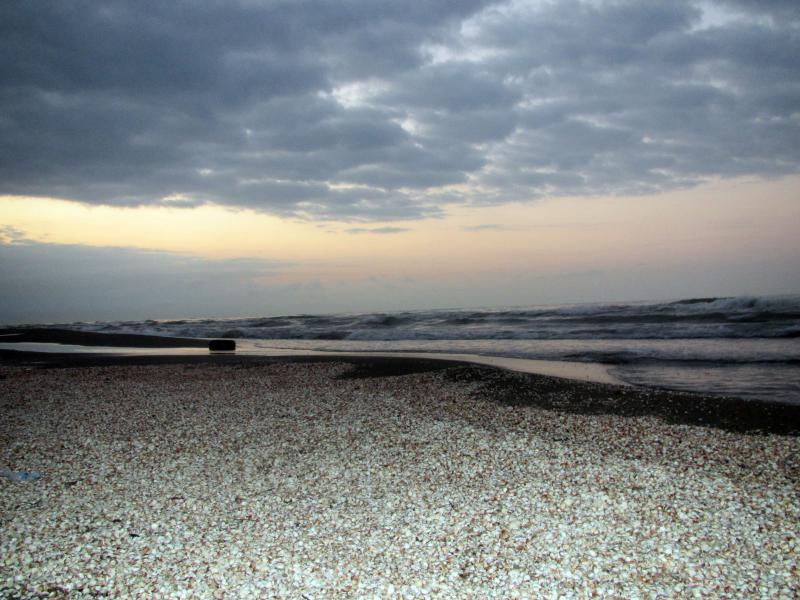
x,y
311,480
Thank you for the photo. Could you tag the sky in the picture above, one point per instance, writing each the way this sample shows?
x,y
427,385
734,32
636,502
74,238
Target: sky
x,y
242,158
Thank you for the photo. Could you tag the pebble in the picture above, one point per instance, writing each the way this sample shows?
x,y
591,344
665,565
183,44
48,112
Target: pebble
x,y
286,481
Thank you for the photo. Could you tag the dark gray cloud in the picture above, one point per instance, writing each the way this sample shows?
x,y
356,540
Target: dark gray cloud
x,y
775,9
368,110
52,282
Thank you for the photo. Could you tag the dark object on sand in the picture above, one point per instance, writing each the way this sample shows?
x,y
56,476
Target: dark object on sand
x,y
222,345
92,338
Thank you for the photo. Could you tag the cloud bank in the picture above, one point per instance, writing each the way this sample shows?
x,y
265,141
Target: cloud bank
x,y
375,110
45,282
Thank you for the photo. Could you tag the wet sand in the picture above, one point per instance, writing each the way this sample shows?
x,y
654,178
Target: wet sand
x,y
62,341
49,335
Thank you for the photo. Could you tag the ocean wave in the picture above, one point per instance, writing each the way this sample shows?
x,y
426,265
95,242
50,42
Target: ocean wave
x,y
695,301
693,318
382,320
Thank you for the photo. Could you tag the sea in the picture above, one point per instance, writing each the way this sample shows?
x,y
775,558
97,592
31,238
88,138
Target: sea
x,y
748,347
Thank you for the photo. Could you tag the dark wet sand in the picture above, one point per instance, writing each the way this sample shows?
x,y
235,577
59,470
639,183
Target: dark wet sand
x,y
89,338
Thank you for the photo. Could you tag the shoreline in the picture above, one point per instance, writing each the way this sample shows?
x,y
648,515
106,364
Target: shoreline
x,y
588,372
503,387
64,341
573,388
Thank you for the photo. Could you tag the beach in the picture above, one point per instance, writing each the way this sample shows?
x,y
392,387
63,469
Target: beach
x,y
379,300
197,477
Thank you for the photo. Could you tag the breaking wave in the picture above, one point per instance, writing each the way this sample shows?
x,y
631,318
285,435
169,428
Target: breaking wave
x,y
694,318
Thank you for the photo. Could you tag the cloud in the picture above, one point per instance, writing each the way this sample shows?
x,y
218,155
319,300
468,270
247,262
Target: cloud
x,y
12,235
374,110
487,227
381,230
47,282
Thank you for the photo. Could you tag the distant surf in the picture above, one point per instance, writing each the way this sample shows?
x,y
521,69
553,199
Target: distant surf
x,y
740,346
